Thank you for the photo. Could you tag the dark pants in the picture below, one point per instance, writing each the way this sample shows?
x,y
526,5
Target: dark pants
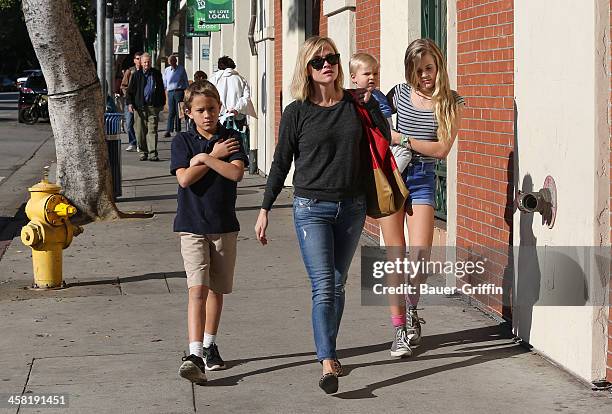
x,y
129,126
174,121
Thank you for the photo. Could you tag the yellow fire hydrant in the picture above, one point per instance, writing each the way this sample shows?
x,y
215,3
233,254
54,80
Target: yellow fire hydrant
x,y
48,232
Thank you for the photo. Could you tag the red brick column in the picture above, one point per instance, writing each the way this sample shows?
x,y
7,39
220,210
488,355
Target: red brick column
x,y
322,20
367,27
485,65
278,65
367,32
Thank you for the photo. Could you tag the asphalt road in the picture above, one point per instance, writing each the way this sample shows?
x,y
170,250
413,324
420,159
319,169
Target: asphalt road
x,y
24,151
18,142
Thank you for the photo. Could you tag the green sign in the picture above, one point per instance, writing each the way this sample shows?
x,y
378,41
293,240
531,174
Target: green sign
x,y
191,26
214,11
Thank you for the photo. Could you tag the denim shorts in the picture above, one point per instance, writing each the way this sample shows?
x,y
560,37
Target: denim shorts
x,y
420,178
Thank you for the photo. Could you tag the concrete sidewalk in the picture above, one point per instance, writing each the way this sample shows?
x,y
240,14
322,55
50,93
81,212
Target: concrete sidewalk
x,y
112,341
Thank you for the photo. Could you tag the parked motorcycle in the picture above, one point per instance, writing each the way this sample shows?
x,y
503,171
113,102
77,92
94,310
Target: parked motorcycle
x,y
38,109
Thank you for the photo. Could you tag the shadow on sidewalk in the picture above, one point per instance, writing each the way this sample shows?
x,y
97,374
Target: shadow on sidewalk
x,y
479,354
247,208
129,279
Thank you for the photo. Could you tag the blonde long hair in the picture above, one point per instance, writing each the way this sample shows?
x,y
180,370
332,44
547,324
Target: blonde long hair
x,y
445,106
301,84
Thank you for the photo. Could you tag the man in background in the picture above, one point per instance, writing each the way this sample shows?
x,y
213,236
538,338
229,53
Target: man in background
x,y
146,98
129,116
175,83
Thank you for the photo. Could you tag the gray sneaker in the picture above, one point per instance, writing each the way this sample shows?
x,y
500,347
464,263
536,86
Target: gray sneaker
x,y
400,346
413,326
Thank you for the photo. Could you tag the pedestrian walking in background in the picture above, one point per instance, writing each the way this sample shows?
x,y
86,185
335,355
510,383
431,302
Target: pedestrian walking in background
x,y
175,83
428,119
321,132
208,161
235,93
200,76
146,98
129,115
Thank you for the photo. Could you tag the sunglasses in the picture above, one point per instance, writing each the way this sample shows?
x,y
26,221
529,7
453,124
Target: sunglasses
x,y
318,62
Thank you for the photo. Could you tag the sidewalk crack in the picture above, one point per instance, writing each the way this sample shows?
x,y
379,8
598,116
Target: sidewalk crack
x,y
26,383
167,286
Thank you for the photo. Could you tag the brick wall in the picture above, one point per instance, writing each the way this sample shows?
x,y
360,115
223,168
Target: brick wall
x,y
367,32
485,60
278,65
367,24
322,19
609,364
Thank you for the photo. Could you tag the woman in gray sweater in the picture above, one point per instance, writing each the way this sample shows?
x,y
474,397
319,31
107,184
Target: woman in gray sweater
x,y
322,133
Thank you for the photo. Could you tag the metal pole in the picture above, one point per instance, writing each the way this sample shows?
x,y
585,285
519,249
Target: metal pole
x,y
109,49
100,44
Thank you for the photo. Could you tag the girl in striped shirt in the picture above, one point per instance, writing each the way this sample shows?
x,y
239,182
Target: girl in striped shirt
x,y
428,118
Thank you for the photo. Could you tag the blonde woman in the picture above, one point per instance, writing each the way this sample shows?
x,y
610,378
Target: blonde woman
x,y
322,133
428,118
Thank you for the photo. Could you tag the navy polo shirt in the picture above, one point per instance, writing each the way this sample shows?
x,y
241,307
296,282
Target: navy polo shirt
x,y
207,206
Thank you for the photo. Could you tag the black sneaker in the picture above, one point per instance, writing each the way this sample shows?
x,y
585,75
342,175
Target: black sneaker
x,y
193,368
214,362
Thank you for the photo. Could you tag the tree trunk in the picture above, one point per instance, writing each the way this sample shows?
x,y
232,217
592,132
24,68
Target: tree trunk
x,y
76,108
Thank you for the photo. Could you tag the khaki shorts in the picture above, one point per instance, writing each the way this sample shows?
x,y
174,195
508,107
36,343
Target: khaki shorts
x,y
210,260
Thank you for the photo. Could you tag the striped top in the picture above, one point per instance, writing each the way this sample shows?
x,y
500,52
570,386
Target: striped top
x,y
414,122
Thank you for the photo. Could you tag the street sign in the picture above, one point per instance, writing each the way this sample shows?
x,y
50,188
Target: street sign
x,y
121,39
192,28
213,11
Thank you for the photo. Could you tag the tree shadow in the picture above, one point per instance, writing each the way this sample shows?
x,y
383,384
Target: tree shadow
x,y
148,178
148,198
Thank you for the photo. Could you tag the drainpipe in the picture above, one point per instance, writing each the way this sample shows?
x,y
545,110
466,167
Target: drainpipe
x,y
252,27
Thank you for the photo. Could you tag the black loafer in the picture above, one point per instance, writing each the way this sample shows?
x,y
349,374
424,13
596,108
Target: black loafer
x,y
329,383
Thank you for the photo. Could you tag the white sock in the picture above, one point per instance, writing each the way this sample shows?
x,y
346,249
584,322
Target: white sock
x,y
209,340
195,348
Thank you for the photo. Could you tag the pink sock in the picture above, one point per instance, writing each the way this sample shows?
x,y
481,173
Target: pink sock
x,y
398,320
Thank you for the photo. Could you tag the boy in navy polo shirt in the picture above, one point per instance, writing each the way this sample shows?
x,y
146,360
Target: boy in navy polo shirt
x,y
208,161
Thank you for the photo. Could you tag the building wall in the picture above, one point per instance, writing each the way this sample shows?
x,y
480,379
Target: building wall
x,y
609,357
552,111
266,65
485,58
